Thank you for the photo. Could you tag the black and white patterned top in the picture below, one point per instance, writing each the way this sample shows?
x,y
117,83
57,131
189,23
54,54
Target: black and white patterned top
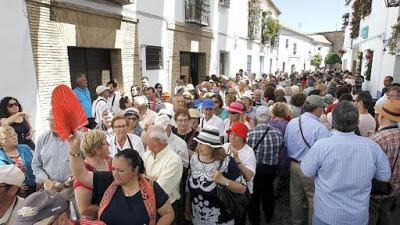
x,y
206,208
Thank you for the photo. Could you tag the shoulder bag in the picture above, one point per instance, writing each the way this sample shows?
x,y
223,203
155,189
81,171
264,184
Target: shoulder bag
x,y
261,139
380,187
234,203
302,135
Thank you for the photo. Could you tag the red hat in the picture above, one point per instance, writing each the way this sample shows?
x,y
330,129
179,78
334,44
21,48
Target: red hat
x,y
240,129
235,107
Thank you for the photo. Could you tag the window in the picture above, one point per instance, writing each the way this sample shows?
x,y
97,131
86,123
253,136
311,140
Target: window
x,y
154,57
225,3
294,49
287,43
197,11
249,64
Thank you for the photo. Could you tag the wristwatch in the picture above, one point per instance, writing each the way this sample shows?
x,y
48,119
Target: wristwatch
x,y
75,154
227,183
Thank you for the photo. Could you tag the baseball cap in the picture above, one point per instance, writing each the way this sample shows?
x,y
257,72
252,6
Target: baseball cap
x,y
239,128
316,100
40,208
207,103
12,175
100,89
262,113
132,111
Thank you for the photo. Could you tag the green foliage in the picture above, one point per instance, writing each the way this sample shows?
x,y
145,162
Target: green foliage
x,y
254,18
270,31
316,61
361,9
394,38
332,59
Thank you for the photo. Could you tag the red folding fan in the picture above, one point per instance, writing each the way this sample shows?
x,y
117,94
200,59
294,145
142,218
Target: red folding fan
x,y
68,112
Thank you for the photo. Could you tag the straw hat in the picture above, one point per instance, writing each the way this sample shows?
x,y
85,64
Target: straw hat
x,y
390,110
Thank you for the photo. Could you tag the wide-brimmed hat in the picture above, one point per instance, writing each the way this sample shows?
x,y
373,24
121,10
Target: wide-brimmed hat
x,y
390,110
235,107
193,113
209,136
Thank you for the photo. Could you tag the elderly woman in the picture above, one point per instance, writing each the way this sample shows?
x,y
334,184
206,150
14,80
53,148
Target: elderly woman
x,y
95,147
183,130
194,119
126,195
210,167
105,124
132,115
147,116
11,114
19,154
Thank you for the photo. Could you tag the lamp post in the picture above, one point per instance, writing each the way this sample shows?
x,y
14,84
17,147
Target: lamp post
x,y
392,3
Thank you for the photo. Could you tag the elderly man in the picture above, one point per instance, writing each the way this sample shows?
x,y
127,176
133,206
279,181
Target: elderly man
x,y
155,103
147,116
209,118
386,209
163,164
11,178
343,166
44,207
266,142
50,163
301,133
100,104
122,139
83,94
114,96
259,98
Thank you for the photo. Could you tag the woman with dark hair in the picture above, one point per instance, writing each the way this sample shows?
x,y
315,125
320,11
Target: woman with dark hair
x,y
219,107
159,89
135,91
125,102
11,114
127,194
269,93
296,103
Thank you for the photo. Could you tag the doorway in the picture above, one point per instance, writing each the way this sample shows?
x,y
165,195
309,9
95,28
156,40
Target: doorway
x,y
95,63
191,66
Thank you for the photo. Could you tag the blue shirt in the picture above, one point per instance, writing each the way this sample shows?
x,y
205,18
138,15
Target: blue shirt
x,y
313,130
343,166
84,97
26,154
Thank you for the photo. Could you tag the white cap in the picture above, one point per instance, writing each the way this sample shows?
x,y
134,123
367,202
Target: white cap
x,y
262,113
189,87
162,120
100,89
12,175
248,94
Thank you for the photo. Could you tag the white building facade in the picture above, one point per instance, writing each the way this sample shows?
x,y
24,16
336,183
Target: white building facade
x,y
374,33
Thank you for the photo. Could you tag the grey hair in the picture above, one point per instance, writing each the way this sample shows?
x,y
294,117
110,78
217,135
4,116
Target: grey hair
x,y
345,116
159,133
141,100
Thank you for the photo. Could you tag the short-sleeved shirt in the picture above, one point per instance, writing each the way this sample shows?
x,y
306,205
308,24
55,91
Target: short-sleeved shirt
x,y
122,209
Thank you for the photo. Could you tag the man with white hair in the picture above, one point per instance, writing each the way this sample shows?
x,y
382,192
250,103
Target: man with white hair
x,y
100,104
266,142
259,98
162,164
147,116
11,178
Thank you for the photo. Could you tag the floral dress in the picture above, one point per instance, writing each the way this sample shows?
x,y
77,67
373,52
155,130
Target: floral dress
x,y
206,208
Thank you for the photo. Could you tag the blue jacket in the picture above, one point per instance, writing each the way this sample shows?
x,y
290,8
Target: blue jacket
x,y
25,152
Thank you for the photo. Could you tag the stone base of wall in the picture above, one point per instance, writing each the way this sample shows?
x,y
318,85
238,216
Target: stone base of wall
x,y
56,27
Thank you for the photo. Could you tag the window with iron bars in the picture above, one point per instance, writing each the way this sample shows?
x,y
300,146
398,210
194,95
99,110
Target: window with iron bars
x,y
198,12
154,55
225,3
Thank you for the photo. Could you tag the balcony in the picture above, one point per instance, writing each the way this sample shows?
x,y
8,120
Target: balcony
x,y
121,2
197,12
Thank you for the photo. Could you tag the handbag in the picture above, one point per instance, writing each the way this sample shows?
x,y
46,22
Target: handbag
x,y
380,187
234,203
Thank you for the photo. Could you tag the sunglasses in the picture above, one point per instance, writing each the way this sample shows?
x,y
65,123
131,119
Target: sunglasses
x,y
10,105
233,113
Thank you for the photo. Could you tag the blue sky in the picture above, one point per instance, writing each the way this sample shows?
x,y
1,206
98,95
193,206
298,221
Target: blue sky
x,y
313,15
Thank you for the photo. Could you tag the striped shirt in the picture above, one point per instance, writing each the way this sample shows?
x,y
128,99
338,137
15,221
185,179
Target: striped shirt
x,y
268,150
156,105
313,130
343,166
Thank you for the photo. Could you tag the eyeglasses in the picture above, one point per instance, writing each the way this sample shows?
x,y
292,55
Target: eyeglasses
x,y
233,113
10,105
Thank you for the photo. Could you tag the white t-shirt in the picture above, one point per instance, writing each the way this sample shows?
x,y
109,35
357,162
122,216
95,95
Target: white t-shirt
x,y
214,121
367,123
179,146
135,140
113,102
98,107
248,159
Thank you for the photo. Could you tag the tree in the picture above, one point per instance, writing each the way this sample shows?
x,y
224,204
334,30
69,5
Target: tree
x,y
316,61
332,59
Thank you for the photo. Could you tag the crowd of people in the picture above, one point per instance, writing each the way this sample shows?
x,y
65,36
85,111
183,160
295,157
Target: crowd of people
x,y
157,157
